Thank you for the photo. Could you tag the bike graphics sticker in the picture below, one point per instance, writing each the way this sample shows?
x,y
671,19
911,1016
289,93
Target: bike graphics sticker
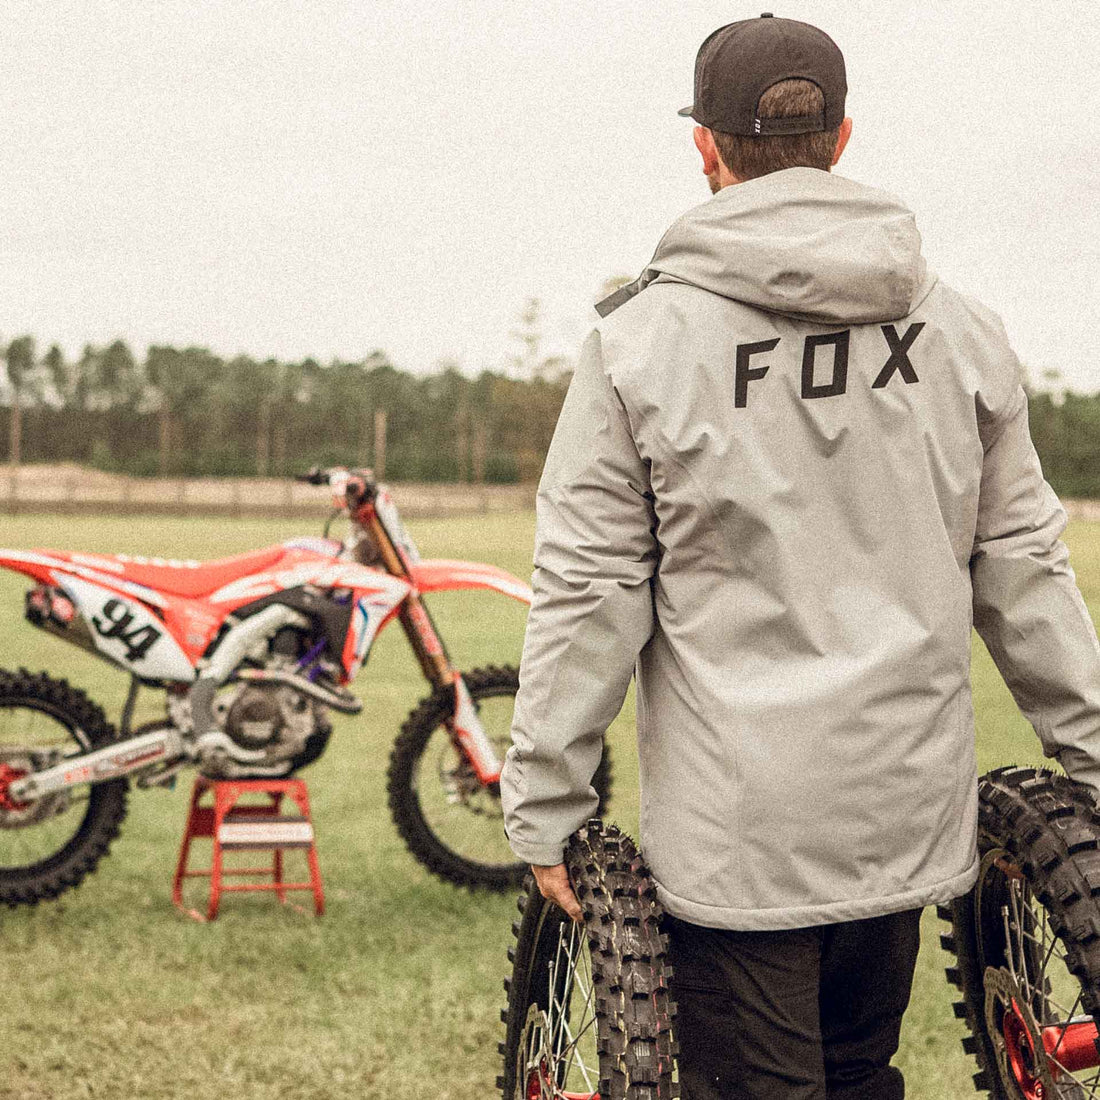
x,y
387,512
127,633
371,610
323,574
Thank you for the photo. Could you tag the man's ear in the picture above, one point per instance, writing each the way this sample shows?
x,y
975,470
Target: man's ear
x,y
704,142
842,138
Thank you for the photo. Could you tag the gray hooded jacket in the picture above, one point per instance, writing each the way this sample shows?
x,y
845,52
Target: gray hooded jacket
x,y
789,475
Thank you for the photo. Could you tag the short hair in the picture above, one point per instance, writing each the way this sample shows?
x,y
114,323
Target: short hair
x,y
749,157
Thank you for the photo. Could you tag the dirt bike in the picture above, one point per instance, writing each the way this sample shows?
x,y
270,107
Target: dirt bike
x,y
252,652
590,1014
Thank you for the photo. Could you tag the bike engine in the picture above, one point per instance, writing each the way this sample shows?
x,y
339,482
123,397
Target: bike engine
x,y
266,729
273,718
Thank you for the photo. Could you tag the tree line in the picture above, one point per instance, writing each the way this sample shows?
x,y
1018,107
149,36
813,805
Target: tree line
x,y
188,412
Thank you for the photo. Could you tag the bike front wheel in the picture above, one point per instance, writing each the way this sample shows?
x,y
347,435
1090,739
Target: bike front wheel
x,y
451,822
589,1014
1026,939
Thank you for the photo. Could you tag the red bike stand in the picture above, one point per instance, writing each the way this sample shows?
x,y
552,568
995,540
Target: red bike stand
x,y
237,827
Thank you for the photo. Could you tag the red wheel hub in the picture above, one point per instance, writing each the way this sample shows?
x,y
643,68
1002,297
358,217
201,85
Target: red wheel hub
x,y
539,1078
8,775
1071,1047
1021,1054
1066,1049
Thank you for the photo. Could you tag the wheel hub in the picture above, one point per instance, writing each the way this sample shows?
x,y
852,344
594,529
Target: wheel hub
x,y
537,1083
536,1072
1016,1037
1020,1052
540,1087
462,786
534,1058
9,775
19,814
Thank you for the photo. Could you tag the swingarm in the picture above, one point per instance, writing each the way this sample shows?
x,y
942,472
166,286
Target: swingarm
x,y
110,762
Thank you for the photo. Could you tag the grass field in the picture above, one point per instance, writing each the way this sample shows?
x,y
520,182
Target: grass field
x,y
395,993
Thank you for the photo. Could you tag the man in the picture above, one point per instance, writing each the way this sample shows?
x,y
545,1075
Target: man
x,y
792,468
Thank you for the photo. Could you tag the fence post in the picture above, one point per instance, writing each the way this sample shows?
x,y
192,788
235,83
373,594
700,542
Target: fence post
x,y
380,443
480,449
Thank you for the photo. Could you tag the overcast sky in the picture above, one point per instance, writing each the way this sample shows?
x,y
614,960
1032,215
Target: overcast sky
x,y
326,177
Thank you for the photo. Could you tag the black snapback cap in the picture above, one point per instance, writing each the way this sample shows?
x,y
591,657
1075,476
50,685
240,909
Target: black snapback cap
x,y
739,62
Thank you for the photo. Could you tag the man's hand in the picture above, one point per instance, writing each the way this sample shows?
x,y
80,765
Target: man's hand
x,y
553,884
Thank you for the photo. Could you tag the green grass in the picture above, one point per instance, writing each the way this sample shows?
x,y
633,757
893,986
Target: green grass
x,y
396,991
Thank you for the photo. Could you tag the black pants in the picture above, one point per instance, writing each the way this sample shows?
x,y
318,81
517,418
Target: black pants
x,y
795,1015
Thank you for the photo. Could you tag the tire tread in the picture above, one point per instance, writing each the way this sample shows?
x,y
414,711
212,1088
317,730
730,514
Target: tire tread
x,y
79,857
1049,826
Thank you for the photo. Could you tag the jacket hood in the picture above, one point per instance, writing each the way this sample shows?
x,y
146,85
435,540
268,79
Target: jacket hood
x,y
801,242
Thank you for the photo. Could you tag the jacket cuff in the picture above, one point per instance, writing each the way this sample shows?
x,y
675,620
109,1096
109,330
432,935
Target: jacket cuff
x,y
542,855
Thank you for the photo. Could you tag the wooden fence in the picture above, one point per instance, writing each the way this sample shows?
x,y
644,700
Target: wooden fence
x,y
76,491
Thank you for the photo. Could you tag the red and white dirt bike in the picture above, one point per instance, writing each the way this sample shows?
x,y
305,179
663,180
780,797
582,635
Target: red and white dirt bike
x,y
252,652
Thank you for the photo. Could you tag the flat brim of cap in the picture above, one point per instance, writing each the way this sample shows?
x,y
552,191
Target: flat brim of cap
x,y
686,112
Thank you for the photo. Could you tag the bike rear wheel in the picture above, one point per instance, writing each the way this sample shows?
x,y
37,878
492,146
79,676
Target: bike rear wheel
x,y
589,1013
1026,939
49,845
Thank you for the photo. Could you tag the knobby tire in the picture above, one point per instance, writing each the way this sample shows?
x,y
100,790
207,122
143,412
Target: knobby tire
x,y
617,986
1044,926
106,806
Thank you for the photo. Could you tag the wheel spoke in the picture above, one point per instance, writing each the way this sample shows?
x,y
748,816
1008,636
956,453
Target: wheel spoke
x,y
1047,996
564,981
587,1022
1008,941
1015,902
1064,1073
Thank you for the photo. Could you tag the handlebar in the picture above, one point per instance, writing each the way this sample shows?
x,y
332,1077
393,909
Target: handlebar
x,y
315,476
336,476
354,486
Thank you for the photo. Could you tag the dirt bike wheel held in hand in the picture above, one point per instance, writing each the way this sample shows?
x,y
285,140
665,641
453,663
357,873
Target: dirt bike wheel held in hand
x,y
1026,939
589,1014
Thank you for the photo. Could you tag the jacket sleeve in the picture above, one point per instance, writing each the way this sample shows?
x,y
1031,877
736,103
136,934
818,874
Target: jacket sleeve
x,y
595,554
1027,607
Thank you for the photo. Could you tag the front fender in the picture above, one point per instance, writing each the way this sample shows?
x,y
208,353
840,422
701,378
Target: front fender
x,y
440,575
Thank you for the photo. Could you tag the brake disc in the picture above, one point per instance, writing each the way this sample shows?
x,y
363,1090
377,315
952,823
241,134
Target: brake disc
x,y
1017,1040
533,1071
462,786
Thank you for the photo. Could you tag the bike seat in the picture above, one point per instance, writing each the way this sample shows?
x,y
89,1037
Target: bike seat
x,y
189,579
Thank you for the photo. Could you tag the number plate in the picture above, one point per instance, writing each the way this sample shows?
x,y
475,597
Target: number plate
x,y
128,633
